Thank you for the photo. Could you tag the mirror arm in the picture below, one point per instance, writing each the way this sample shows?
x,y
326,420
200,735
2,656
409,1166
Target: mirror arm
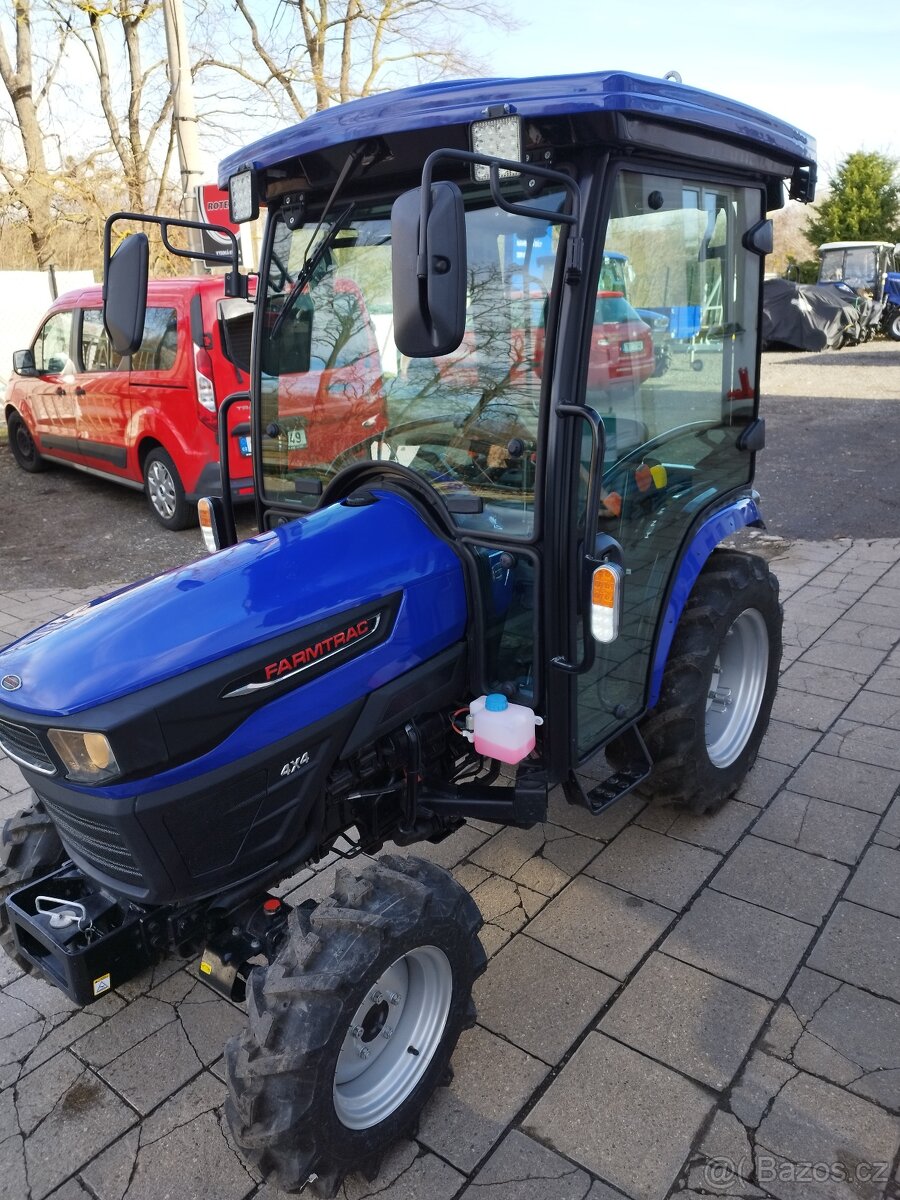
x,y
496,165
235,282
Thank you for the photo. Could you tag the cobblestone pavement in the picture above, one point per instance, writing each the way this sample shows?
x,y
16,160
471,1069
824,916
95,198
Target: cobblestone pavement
x,y
674,1006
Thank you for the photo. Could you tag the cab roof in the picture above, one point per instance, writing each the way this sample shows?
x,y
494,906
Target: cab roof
x,y
432,105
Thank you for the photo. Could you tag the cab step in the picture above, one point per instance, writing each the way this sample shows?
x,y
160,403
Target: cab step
x,y
618,784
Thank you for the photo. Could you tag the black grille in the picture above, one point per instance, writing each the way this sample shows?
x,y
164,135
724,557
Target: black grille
x,y
95,840
24,746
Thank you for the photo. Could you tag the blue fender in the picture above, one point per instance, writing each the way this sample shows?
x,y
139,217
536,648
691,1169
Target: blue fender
x,y
714,530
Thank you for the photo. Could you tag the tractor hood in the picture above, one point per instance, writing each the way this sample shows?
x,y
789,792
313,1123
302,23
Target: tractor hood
x,y
247,603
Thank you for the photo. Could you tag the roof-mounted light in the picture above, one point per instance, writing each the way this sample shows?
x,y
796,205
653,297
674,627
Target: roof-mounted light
x,y
243,197
497,137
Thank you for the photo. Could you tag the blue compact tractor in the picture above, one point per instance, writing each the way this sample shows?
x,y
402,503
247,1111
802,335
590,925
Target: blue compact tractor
x,y
489,551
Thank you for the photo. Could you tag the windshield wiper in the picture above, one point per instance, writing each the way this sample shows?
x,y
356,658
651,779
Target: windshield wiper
x,y
310,264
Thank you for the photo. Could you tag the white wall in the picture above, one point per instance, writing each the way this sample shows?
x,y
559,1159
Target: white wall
x,y
24,298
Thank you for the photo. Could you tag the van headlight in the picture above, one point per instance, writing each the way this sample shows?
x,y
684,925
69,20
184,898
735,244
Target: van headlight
x,y
87,756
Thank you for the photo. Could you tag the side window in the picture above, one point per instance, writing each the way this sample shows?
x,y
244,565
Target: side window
x,y
97,353
51,346
160,343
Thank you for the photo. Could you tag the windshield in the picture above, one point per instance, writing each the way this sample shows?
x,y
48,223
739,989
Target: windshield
x,y
854,266
334,389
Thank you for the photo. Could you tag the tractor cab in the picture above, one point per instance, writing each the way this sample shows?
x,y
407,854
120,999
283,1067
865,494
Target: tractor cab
x,y
489,554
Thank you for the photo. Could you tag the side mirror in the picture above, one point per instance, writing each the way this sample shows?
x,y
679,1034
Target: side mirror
x,y
23,363
429,292
125,293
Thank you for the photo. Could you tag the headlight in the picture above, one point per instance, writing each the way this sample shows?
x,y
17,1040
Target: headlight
x,y
87,757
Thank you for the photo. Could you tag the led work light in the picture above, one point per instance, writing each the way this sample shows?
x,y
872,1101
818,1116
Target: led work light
x,y
499,137
243,197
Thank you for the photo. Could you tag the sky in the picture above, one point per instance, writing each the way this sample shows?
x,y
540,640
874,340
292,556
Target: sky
x,y
827,67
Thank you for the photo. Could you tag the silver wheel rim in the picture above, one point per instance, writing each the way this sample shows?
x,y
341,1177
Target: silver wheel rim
x,y
161,487
393,1037
736,687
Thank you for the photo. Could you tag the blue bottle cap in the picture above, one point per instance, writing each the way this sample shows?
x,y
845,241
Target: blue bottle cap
x,y
495,702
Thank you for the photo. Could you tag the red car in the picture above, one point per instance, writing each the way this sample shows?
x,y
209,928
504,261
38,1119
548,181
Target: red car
x,y
621,345
148,421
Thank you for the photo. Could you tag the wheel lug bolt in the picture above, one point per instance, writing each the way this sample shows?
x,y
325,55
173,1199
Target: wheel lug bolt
x,y
387,1032
393,998
364,1052
377,997
357,1031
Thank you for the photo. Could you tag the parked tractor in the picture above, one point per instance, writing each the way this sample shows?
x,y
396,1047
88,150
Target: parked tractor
x,y
869,272
493,587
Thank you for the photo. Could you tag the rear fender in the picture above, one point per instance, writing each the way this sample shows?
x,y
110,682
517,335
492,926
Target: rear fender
x,y
714,530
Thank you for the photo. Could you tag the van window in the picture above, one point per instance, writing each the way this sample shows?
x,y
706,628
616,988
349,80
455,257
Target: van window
x,y
51,346
97,353
160,341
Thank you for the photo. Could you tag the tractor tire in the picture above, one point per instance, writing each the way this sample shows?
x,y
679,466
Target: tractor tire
x,y
718,685
892,327
29,847
352,1026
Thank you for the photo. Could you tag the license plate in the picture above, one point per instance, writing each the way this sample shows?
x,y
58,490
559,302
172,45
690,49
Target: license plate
x,y
244,445
296,439
632,347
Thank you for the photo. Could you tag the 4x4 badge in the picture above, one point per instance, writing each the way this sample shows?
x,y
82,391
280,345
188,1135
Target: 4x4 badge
x,y
10,683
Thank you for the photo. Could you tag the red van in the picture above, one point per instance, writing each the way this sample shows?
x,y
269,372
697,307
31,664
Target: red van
x,y
148,421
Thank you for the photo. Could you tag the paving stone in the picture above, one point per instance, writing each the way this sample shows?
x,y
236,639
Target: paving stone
x,y
787,744
808,992
740,942
521,1169
469,876
891,821
781,878
823,681
687,1019
715,831
783,1032
816,826
154,1069
566,850
450,851
406,1173
206,1093
124,1030
875,708
506,904
491,1082
602,827
194,1160
601,926
863,743
864,1031
639,1136
811,1121
67,1116
761,1079
493,939
509,850
862,947
886,680
762,782
726,1142
831,652
858,785
876,881
806,710
653,866
538,998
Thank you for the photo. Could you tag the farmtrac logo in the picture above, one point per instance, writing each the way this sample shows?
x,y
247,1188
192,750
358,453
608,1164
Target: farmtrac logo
x,y
295,662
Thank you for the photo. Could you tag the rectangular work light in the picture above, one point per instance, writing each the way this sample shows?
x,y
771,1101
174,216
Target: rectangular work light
x,y
497,137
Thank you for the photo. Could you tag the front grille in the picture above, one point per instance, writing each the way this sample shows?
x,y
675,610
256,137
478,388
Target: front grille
x,y
24,747
95,840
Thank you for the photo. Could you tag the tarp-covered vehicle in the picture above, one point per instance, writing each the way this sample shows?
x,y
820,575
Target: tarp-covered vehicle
x,y
806,317
869,273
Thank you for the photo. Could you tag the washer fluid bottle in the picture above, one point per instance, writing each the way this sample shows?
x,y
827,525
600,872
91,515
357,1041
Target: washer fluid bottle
x,y
502,730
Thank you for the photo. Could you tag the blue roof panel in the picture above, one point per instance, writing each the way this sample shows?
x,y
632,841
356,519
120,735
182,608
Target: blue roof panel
x,y
431,105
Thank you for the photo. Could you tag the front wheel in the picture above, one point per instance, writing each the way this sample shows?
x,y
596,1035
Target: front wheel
x,y
892,326
22,445
165,491
718,685
29,848
352,1026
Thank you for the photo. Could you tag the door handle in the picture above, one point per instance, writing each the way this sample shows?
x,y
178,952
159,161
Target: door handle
x,y
60,391
79,391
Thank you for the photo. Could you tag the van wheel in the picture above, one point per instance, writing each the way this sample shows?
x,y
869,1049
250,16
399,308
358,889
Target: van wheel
x,y
24,451
165,491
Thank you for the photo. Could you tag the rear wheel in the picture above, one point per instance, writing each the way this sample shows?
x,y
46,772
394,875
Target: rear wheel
x,y
718,685
892,327
29,847
21,443
165,491
352,1026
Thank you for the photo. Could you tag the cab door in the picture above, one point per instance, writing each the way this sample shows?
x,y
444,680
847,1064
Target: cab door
x,y
671,421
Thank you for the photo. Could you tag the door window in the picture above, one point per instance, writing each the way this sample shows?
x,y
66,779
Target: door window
x,y
671,372
97,353
160,342
51,346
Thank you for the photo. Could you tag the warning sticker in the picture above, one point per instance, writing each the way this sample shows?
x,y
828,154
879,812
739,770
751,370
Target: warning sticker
x,y
102,985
